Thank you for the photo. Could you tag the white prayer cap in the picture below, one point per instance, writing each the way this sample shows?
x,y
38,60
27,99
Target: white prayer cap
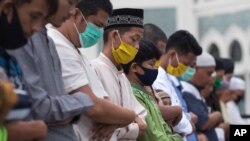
x,y
237,84
205,60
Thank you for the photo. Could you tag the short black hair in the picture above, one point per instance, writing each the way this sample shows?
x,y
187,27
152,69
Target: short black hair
x,y
154,33
52,4
228,65
219,64
121,31
183,42
147,51
91,7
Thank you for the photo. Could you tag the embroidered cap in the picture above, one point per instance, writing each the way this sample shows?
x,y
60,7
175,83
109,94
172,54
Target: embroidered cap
x,y
125,17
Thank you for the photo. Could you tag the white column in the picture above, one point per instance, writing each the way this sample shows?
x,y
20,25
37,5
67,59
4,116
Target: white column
x,y
186,17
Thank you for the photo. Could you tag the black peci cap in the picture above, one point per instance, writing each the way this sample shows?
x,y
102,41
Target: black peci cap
x,y
125,17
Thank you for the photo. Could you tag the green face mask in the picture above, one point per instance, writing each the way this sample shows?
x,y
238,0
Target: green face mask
x,y
90,36
217,83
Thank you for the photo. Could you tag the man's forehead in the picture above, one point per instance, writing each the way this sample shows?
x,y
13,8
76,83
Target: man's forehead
x,y
38,7
73,1
136,30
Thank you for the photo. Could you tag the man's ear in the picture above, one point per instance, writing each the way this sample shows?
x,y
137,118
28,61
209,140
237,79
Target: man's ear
x,y
74,13
173,57
134,67
113,37
8,10
172,53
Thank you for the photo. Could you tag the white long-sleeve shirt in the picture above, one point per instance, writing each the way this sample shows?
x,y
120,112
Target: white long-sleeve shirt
x,y
120,92
163,82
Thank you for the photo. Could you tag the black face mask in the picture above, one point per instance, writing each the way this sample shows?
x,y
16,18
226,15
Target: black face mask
x,y
148,77
11,34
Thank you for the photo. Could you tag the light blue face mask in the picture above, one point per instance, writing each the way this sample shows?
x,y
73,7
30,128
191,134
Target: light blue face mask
x,y
188,74
90,35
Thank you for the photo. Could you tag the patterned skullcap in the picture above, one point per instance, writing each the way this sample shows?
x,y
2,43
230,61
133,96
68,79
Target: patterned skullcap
x,y
125,17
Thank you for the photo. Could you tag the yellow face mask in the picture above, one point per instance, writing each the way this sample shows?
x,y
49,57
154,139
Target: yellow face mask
x,y
125,53
176,71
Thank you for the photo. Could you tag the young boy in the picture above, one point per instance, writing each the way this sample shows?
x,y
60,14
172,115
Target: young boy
x,y
142,72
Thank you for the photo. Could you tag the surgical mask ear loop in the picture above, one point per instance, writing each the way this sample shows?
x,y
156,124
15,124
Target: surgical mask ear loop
x,y
119,35
84,18
76,28
84,21
169,62
112,44
177,58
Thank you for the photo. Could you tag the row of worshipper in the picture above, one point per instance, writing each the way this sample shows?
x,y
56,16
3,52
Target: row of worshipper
x,y
58,90
142,86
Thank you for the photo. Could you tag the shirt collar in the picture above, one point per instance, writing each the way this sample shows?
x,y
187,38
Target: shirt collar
x,y
138,87
174,79
108,62
60,36
169,77
164,73
192,89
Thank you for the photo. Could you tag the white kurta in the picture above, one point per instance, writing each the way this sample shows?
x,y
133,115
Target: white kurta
x,y
120,92
77,72
234,115
163,82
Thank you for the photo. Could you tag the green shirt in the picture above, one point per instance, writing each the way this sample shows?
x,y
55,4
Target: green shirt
x,y
3,133
157,129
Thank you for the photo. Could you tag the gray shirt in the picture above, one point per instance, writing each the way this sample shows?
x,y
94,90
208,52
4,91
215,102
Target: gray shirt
x,y
42,75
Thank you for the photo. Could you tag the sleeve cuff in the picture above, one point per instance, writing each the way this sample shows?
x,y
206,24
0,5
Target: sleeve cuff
x,y
85,100
130,132
184,126
74,86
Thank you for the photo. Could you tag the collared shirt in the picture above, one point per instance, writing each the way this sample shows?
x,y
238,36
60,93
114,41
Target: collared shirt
x,y
163,82
43,78
197,105
76,72
178,89
120,92
157,129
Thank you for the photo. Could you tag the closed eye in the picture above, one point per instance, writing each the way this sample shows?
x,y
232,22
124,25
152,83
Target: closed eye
x,y
36,15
